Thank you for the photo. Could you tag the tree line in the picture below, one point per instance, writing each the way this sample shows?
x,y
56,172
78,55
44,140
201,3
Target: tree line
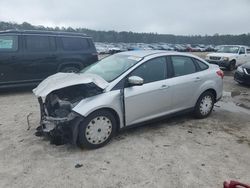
x,y
133,37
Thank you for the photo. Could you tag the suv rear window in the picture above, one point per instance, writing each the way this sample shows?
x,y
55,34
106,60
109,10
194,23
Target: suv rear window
x,y
40,43
74,43
8,43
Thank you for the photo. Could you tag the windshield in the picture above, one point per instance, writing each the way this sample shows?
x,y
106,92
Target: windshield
x,y
111,67
229,49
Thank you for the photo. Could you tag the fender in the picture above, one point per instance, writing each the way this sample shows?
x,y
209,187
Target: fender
x,y
110,100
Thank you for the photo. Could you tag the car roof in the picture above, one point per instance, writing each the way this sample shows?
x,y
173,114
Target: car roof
x,y
41,32
147,53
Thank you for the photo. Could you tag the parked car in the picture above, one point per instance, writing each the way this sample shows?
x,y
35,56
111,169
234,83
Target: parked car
x,y
242,74
28,57
124,90
230,56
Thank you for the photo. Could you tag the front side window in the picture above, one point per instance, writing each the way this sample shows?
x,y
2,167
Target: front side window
x,y
151,71
38,43
242,50
248,51
74,43
182,65
8,43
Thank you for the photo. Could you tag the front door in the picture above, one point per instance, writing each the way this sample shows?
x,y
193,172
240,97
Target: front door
x,y
9,53
39,58
242,58
153,98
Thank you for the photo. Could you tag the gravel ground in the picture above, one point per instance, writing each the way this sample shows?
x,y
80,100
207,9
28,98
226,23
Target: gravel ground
x,y
181,152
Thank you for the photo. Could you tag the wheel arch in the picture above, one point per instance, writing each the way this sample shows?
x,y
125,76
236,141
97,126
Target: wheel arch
x,y
67,64
213,91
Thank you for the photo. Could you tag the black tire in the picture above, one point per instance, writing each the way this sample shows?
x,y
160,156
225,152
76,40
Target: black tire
x,y
70,69
231,66
198,113
84,127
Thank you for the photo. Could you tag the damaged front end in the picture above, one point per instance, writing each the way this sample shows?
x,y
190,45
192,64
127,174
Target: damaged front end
x,y
58,121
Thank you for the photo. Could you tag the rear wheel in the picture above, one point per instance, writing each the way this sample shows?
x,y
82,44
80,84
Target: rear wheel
x,y
204,105
97,129
70,69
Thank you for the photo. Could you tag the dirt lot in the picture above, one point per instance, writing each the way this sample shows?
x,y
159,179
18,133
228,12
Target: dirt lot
x,y
179,152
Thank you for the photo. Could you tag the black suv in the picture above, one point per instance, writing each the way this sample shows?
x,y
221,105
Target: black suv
x,y
27,57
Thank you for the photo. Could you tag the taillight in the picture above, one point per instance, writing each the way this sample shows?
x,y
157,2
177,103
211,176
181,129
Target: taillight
x,y
220,73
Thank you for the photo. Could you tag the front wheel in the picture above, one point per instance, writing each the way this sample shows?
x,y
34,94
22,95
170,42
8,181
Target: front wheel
x,y
97,129
204,105
232,66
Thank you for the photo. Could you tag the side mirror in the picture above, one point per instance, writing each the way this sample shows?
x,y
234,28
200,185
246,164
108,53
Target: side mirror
x,y
135,81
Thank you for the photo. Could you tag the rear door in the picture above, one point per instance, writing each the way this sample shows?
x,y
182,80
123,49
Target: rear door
x,y
39,58
186,80
153,98
9,54
76,50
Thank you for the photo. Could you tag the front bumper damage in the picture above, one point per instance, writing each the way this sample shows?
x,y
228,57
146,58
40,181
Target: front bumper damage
x,y
58,130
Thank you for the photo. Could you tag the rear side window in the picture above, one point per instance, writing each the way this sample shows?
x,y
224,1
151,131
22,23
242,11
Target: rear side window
x,y
183,65
74,43
202,65
152,70
8,43
248,51
40,43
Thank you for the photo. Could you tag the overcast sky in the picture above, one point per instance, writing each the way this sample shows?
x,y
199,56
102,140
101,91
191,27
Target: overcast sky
x,y
185,17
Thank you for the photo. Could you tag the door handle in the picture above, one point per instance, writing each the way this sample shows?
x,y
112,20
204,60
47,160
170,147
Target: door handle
x,y
164,86
197,79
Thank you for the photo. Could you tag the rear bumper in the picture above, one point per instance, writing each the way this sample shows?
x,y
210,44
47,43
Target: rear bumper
x,y
58,130
220,63
242,78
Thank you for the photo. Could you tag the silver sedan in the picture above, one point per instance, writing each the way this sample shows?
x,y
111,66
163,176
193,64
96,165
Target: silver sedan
x,y
123,90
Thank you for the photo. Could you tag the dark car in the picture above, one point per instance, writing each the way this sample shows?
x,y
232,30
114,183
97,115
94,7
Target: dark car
x,y
27,57
242,74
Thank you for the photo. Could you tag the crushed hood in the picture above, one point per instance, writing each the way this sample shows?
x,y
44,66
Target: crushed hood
x,y
62,80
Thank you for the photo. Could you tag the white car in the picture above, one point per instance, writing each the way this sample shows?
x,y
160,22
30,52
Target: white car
x,y
230,56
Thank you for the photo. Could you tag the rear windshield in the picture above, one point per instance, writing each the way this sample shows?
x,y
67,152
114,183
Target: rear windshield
x,y
8,43
75,43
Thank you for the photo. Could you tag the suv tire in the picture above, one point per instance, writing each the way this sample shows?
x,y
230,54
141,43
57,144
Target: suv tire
x,y
231,66
70,69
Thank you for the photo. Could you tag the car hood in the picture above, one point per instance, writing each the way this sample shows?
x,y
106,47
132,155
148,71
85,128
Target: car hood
x,y
246,65
62,80
221,54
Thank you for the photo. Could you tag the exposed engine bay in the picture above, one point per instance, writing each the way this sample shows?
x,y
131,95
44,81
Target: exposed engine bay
x,y
60,102
58,121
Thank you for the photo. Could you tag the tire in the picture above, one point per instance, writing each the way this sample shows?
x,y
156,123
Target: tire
x,y
204,105
70,70
231,66
97,129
